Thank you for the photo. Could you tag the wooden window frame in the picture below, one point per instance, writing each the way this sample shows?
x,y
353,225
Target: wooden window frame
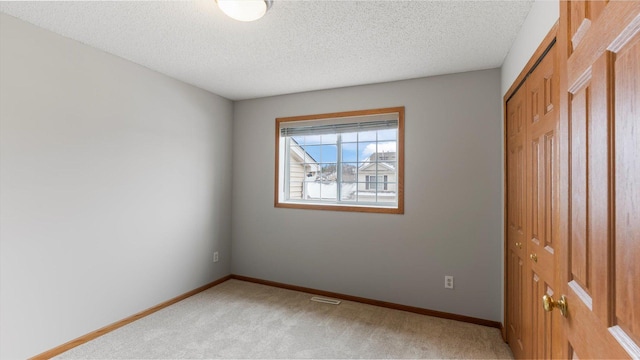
x,y
340,207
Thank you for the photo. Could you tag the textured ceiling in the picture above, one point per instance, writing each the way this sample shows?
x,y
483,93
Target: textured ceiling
x,y
298,46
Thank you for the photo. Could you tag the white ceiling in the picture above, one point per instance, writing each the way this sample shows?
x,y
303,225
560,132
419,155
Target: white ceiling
x,y
298,46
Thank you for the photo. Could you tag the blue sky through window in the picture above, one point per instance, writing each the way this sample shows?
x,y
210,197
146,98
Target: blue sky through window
x,y
355,146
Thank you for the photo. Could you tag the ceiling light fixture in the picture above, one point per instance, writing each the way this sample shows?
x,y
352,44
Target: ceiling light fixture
x,y
244,10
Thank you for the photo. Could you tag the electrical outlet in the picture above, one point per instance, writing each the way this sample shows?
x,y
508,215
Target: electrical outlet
x,y
448,282
215,256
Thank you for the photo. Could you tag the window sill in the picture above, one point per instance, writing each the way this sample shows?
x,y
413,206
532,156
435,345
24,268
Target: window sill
x,y
340,207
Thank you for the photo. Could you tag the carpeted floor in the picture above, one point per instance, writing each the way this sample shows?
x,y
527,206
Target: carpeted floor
x,y
237,319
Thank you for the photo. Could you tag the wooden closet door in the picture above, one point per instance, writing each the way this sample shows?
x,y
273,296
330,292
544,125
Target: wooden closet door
x,y
541,226
516,250
600,178
532,206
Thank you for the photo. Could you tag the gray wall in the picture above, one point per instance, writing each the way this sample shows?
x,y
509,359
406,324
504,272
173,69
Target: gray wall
x,y
114,184
452,223
542,16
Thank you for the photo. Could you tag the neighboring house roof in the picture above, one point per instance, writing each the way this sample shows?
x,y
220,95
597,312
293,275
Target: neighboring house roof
x,y
380,157
383,165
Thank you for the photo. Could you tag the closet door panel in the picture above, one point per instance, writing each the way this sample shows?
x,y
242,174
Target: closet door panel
x,y
516,154
532,209
600,136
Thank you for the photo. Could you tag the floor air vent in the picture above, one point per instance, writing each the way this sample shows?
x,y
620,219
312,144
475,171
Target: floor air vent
x,y
325,300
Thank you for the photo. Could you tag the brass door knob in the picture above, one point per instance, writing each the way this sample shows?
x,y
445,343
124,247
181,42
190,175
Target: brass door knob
x,y
534,257
519,245
549,304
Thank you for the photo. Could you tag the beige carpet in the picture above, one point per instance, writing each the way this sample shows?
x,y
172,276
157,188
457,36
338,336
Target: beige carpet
x,y
237,319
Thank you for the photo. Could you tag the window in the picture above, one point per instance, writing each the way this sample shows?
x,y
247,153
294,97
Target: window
x,y
374,183
351,161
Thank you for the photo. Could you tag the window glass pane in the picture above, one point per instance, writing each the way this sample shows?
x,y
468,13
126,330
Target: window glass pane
x,y
388,147
310,159
386,197
392,187
312,139
296,177
313,153
389,134
296,171
329,172
366,170
295,190
348,191
296,153
312,171
329,139
312,189
329,153
349,152
353,137
367,136
365,194
327,184
387,166
349,172
365,150
371,181
298,139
